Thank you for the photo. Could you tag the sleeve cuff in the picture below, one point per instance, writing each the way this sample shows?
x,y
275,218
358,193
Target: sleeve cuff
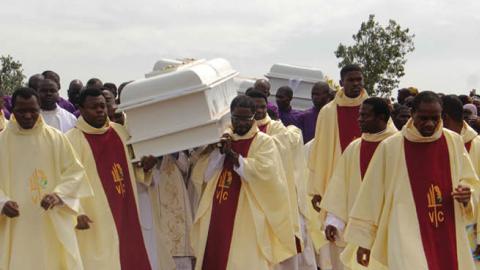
x,y
468,212
335,222
360,233
71,205
3,200
214,164
241,167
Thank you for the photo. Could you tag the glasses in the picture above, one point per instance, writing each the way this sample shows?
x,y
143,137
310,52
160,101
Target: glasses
x,y
242,118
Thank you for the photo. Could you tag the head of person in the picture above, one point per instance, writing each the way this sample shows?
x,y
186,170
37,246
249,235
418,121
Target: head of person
x,y
111,87
93,107
409,101
95,83
390,104
74,90
34,81
242,109
476,102
351,79
48,93
248,90
111,104
426,113
452,112
469,113
400,115
465,99
272,114
321,94
263,86
284,97
374,115
260,101
402,95
26,107
52,75
413,91
120,89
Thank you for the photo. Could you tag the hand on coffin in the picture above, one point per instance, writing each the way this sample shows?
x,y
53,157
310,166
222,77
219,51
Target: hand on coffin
x,y
148,162
225,146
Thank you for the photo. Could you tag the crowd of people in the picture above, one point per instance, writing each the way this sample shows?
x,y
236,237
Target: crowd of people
x,y
354,182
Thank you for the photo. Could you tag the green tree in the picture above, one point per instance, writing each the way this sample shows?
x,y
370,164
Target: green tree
x,y
11,75
381,51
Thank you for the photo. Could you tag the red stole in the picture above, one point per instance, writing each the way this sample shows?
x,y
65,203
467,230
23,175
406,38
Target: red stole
x,y
468,146
367,149
348,128
112,167
224,209
431,182
263,128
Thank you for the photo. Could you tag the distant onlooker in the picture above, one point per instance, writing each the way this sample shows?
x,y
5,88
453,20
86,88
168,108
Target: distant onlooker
x,y
94,83
264,86
52,75
321,95
286,114
400,115
111,87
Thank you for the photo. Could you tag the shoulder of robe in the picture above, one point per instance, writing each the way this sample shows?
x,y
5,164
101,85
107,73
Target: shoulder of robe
x,y
352,146
476,141
393,140
328,108
454,137
121,131
294,129
263,139
55,133
72,133
390,146
277,124
75,137
278,127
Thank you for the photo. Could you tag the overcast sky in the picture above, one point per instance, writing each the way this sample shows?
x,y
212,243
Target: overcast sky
x,y
121,40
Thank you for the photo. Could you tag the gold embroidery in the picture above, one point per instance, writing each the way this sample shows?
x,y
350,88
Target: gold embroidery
x,y
225,181
118,178
435,201
173,213
38,183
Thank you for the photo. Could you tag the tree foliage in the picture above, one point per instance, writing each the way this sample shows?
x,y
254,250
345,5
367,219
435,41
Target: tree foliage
x,y
381,51
11,75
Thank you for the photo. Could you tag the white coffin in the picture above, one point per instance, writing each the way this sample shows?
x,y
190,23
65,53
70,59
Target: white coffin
x,y
172,111
300,79
243,83
182,140
168,65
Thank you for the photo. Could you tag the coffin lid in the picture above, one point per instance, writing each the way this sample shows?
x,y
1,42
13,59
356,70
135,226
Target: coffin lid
x,y
168,65
183,80
285,71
